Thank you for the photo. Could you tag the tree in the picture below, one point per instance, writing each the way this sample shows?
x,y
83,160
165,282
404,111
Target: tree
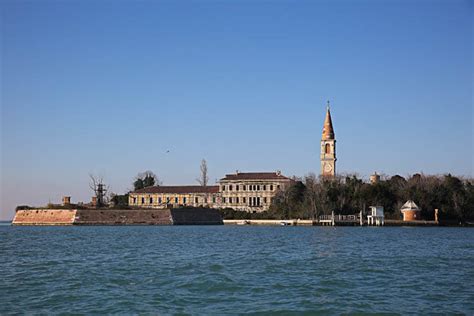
x,y
119,200
145,179
314,197
204,178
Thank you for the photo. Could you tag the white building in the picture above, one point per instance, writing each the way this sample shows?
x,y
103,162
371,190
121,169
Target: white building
x,y
376,216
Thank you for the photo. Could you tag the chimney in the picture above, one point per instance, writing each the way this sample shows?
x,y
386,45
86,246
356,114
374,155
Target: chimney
x,y
66,200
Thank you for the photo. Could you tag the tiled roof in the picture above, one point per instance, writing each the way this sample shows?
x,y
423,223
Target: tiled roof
x,y
328,130
182,189
255,176
410,206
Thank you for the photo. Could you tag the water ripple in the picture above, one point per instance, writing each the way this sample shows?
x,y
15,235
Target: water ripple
x,y
236,270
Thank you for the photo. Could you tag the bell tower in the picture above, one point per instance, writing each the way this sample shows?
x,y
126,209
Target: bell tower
x,y
328,147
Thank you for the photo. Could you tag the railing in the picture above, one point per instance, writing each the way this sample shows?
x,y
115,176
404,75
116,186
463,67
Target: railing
x,y
340,218
325,217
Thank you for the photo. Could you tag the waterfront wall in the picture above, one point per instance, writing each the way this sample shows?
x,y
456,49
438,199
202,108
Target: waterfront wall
x,y
188,216
271,222
44,217
123,217
196,216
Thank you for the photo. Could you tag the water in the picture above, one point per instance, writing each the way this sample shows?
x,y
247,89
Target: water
x,y
236,269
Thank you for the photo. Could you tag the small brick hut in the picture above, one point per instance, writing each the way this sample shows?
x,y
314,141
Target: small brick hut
x,y
411,211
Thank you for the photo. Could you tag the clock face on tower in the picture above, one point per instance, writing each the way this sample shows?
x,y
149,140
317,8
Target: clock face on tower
x,y
327,168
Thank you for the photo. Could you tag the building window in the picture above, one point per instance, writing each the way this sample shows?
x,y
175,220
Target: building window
x,y
223,200
278,187
258,187
223,188
159,200
230,187
230,200
327,149
151,200
243,187
265,200
237,187
237,200
176,200
168,199
143,200
213,199
271,187
196,200
258,201
134,200
244,200
184,200
264,187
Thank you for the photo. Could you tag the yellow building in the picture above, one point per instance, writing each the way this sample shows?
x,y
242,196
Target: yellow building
x,y
175,196
251,191
243,191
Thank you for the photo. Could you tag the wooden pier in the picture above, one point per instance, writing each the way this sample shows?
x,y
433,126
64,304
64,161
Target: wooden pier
x,y
341,220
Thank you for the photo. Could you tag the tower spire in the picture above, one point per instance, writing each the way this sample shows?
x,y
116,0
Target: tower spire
x,y
328,130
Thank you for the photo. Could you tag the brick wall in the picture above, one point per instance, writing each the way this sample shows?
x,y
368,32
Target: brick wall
x,y
44,217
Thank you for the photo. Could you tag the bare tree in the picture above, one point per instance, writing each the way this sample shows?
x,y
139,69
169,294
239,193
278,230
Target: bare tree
x,y
98,187
204,178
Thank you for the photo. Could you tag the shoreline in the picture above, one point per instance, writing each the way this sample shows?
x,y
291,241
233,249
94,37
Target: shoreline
x,y
193,216
299,222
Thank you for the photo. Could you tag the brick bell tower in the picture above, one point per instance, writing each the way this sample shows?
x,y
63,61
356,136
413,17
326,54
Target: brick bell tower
x,y
328,147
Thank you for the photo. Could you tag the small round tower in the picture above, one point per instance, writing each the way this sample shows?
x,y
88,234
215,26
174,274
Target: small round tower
x,y
411,211
375,178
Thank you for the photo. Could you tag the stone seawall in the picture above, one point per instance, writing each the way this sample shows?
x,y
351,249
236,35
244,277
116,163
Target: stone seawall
x,y
123,217
196,216
188,216
44,217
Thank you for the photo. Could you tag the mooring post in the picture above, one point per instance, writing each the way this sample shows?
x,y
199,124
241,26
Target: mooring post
x,y
361,219
332,219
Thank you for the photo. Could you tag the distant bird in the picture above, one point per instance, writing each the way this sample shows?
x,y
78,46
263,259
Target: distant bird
x,y
168,151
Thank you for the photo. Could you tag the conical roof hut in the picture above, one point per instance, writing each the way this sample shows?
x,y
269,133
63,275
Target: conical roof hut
x,y
410,211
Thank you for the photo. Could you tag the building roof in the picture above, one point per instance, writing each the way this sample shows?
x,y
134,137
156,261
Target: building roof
x,y
255,176
410,206
181,189
328,130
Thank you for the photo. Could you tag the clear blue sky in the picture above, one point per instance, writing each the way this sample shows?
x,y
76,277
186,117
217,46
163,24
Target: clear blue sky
x,y
106,87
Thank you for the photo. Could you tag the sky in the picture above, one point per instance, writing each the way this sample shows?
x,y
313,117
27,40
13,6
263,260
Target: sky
x,y
108,87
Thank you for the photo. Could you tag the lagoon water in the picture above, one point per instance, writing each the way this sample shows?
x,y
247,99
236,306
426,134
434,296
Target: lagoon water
x,y
235,270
